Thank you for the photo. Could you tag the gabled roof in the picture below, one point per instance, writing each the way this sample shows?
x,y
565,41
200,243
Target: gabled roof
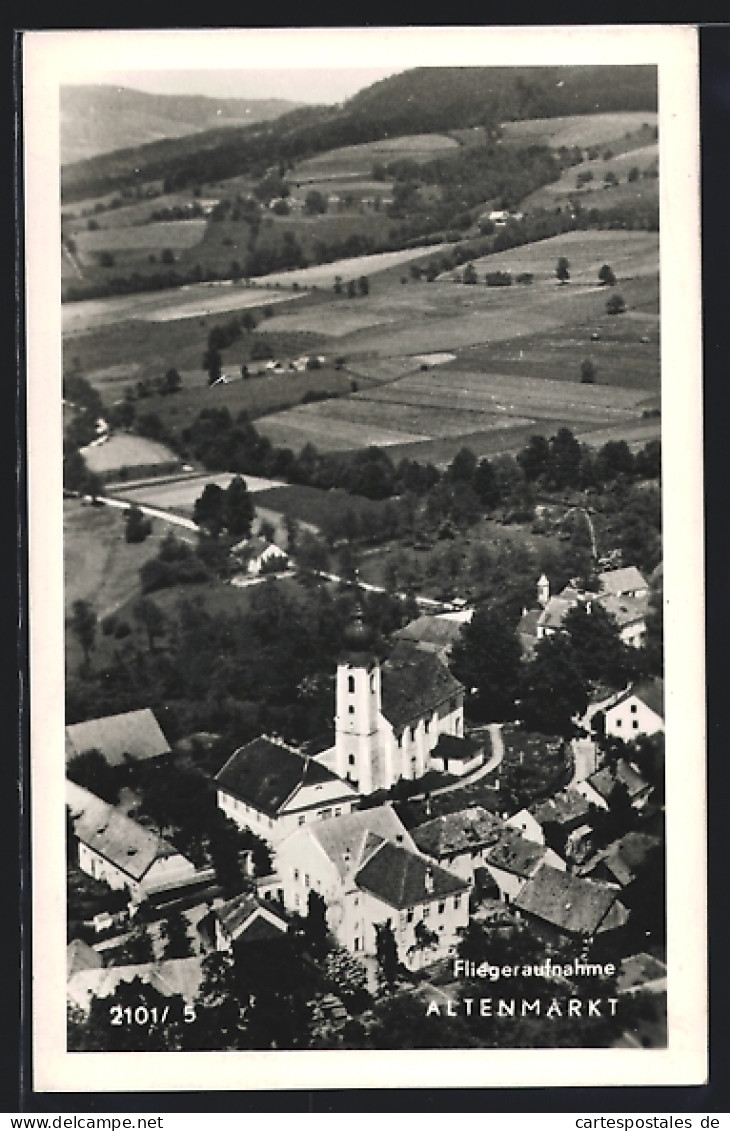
x,y
573,905
265,774
80,956
516,854
245,916
171,977
348,840
402,878
625,610
433,633
414,683
606,780
625,858
650,692
554,613
134,733
464,831
115,836
621,581
564,808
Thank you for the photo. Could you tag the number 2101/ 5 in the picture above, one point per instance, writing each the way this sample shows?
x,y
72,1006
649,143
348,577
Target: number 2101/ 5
x,y
143,1015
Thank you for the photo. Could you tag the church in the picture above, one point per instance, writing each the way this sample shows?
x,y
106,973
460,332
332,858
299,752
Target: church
x,y
390,714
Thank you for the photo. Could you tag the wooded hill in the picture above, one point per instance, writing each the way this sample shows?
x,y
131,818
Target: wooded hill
x,y
416,101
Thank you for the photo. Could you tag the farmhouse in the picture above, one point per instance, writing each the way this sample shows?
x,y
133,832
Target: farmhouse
x,y
135,736
559,905
272,789
115,849
368,871
640,710
390,715
624,593
458,841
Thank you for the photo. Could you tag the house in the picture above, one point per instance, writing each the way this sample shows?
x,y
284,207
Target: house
x,y
559,905
513,860
260,556
246,919
601,788
624,593
115,849
431,633
172,977
458,841
133,736
368,870
390,714
624,860
272,789
81,956
639,711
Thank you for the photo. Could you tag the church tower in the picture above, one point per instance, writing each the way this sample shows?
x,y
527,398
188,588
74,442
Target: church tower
x,y
357,750
543,590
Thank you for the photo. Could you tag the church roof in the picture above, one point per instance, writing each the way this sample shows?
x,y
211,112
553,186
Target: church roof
x,y
414,683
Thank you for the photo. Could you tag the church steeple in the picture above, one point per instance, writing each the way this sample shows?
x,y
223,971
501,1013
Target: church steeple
x,y
358,706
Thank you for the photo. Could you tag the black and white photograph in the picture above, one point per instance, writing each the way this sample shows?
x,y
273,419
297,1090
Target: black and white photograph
x,y
365,530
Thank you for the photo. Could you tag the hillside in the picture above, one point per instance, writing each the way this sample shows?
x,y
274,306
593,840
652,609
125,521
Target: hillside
x,y
101,119
424,100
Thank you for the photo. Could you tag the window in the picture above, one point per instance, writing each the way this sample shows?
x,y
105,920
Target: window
x,y
296,875
635,724
324,814
351,759
634,708
351,710
409,915
358,944
306,880
356,901
457,902
372,683
400,741
618,722
301,820
426,911
413,734
427,725
351,684
442,908
338,810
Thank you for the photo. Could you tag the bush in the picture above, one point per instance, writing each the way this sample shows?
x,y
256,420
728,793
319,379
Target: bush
x,y
525,277
499,279
615,305
121,630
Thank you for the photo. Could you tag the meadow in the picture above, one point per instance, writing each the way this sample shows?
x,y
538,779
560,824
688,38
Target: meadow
x,y
358,160
583,130
179,496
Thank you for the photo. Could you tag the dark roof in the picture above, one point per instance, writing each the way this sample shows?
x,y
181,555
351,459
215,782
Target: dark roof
x,y
135,733
401,878
453,833
265,774
414,683
516,854
606,780
451,746
574,905
245,916
625,858
349,840
650,692
564,808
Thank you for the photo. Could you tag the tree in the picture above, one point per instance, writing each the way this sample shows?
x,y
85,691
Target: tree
x,y
315,203
137,527
173,381
598,651
534,459
316,931
386,953
562,270
587,372
177,942
487,658
212,364
208,510
152,618
615,305
92,771
606,276
83,624
238,508
554,690
470,274
565,457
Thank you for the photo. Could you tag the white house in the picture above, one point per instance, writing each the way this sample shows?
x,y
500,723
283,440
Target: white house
x,y
390,714
639,711
368,871
272,789
260,555
114,848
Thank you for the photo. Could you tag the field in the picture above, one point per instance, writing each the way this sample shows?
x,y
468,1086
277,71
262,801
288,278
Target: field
x,y
172,234
311,505
324,274
179,495
594,194
192,301
358,160
126,452
583,130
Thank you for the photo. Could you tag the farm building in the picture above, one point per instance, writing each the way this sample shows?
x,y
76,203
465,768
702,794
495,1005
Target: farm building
x,y
390,714
640,710
115,849
561,906
367,869
272,789
134,735
123,456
